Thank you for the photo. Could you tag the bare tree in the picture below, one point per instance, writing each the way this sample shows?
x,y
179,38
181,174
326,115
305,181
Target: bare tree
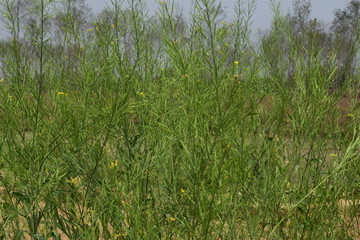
x,y
295,44
71,19
301,16
346,29
15,12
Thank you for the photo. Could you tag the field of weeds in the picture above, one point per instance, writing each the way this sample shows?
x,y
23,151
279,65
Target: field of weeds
x,y
152,127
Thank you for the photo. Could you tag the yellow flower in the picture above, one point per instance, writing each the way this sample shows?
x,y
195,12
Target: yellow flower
x,y
185,76
89,29
119,234
236,62
350,115
171,219
332,155
141,94
182,190
112,26
62,93
73,180
114,164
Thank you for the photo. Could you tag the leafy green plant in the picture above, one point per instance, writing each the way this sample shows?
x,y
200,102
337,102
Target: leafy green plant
x,y
172,126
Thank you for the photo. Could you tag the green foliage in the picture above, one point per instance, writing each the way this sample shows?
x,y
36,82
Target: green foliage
x,y
140,127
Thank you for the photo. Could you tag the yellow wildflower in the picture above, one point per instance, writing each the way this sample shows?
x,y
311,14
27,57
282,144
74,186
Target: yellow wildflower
x,y
171,219
350,115
89,29
185,76
236,62
114,164
141,94
332,155
62,93
112,26
73,180
119,234
182,190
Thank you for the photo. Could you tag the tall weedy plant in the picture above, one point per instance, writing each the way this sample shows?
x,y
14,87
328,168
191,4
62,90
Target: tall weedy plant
x,y
26,155
171,126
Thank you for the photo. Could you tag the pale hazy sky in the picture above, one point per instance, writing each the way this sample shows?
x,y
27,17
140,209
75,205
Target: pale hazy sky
x,y
321,9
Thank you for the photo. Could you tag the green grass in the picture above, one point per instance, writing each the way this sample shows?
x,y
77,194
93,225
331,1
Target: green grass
x,y
104,140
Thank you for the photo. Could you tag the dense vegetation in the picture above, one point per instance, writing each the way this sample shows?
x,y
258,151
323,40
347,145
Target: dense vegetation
x,y
133,126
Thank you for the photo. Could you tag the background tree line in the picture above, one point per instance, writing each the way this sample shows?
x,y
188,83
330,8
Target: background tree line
x,y
335,48
291,36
